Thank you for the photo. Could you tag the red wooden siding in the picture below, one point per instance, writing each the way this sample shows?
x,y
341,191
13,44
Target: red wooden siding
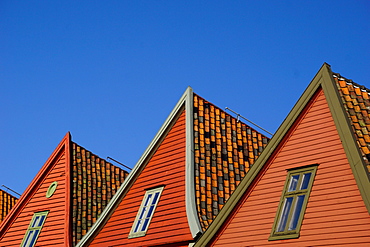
x,y
54,229
335,214
169,223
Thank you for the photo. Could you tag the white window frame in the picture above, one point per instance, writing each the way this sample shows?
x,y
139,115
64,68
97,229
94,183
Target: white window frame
x,y
145,213
34,229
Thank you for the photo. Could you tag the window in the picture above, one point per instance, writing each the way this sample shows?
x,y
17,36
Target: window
x,y
34,229
51,189
293,203
145,213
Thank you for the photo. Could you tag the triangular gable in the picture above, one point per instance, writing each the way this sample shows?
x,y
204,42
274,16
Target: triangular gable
x,y
164,172
34,200
84,185
7,202
138,168
219,152
324,79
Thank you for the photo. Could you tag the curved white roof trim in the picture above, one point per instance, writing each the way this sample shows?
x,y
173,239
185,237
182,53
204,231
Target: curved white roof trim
x,y
116,199
191,207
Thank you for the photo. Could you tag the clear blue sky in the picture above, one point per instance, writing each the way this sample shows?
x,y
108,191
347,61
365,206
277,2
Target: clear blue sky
x,y
111,71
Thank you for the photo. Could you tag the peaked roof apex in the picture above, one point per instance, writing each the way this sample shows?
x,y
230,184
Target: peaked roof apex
x,y
324,78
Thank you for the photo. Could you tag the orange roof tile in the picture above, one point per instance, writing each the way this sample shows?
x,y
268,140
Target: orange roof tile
x,y
7,201
94,182
224,150
356,102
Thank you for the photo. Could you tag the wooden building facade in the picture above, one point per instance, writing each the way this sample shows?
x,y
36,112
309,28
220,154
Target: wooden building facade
x,y
64,199
311,185
194,164
207,179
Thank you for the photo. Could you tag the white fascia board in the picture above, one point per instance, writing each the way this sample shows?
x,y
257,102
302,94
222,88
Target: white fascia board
x,y
116,199
191,207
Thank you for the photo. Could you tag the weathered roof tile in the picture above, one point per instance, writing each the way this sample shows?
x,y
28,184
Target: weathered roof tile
x,y
94,182
7,201
356,102
228,148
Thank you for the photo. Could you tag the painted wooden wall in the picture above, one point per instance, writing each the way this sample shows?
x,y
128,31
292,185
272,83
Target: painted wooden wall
x,y
335,212
54,230
169,224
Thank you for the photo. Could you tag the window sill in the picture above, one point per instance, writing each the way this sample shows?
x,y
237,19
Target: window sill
x,y
284,236
136,235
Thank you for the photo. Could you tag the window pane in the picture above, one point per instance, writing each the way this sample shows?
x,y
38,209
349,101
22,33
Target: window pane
x,y
137,225
296,213
143,212
148,199
34,229
285,214
29,235
293,183
305,181
42,219
33,238
35,221
155,198
150,212
145,224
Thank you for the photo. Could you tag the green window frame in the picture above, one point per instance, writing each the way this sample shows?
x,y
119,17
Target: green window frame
x,y
293,202
34,229
145,212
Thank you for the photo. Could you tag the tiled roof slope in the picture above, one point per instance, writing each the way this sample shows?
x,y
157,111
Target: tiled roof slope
x,y
356,102
224,150
94,182
7,201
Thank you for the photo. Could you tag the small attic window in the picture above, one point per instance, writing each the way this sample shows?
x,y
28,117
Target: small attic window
x,y
51,189
293,203
34,229
145,213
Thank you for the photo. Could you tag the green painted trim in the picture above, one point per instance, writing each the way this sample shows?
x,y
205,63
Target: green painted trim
x,y
294,233
51,189
324,79
265,155
347,136
43,213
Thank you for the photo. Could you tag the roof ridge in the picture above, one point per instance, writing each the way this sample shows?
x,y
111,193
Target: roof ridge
x,y
224,111
97,156
342,78
9,194
7,202
356,103
224,151
323,79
